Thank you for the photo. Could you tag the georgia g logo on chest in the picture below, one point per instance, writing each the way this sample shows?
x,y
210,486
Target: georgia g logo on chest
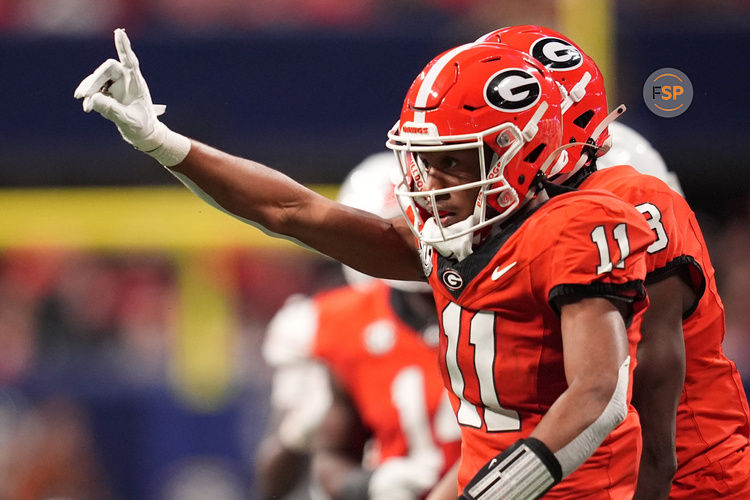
x,y
452,279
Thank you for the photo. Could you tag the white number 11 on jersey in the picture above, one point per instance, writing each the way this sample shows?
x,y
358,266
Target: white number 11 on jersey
x,y
482,337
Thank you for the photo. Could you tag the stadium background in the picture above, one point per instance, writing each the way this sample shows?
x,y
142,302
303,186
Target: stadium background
x,y
131,313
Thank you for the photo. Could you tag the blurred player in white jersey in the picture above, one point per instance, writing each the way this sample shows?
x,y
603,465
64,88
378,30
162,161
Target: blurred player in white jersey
x,y
357,393
631,148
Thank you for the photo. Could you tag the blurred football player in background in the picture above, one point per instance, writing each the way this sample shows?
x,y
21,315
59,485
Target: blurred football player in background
x,y
689,396
533,294
356,385
631,148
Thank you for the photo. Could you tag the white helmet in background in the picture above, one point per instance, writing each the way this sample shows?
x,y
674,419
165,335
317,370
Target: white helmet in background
x,y
631,148
369,186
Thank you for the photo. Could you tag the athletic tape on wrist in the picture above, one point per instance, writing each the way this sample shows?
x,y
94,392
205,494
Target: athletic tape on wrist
x,y
172,151
526,470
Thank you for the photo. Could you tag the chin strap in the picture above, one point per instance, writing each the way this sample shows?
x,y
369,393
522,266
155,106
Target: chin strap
x,y
591,150
550,187
453,248
577,178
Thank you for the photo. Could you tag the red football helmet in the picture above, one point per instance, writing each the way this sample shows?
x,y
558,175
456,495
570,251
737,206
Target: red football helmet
x,y
584,106
483,96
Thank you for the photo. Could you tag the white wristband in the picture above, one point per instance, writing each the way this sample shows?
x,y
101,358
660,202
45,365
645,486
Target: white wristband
x,y
525,471
173,150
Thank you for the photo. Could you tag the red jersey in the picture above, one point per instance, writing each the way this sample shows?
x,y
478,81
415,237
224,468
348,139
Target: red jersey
x,y
713,421
501,343
385,366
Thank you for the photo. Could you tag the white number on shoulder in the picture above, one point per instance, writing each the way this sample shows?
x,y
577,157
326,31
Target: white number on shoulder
x,y
620,235
656,225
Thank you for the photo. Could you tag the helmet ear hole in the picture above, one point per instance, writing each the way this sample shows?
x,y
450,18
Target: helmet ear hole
x,y
534,154
584,118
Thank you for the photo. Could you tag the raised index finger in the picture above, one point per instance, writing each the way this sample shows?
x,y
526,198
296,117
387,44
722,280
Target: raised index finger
x,y
124,51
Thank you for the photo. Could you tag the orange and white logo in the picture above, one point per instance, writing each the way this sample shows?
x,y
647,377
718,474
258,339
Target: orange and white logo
x,y
668,92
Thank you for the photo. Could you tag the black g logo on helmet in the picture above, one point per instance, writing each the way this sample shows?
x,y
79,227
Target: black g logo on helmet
x,y
556,54
512,90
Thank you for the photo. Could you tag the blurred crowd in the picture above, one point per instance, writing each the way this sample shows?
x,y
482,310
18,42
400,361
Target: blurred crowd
x,y
87,17
205,16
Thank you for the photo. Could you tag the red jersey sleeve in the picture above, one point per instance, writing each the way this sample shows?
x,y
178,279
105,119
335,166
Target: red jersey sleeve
x,y
675,229
599,250
677,238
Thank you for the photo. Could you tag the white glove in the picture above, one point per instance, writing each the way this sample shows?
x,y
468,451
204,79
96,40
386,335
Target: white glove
x,y
402,478
118,91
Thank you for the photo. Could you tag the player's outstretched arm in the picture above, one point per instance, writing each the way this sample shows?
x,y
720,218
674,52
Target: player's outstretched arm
x,y
658,380
247,190
255,193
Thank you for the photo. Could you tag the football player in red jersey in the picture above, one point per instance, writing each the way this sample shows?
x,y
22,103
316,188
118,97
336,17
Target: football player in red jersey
x,y
533,294
378,342
690,398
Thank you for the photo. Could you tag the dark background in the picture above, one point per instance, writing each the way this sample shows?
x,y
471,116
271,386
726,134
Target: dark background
x,y
312,102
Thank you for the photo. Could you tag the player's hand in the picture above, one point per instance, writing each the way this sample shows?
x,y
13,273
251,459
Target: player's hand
x,y
402,478
117,91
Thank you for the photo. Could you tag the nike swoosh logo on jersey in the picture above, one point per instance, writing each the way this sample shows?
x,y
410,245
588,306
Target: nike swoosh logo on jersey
x,y
497,273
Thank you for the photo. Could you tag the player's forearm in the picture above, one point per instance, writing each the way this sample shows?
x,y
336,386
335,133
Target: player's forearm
x,y
656,402
597,369
577,409
245,188
277,204
567,435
